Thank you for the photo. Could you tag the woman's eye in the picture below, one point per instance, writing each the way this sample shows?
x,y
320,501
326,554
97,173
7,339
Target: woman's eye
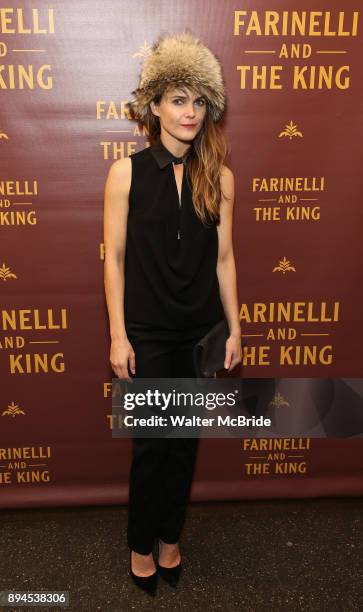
x,y
200,102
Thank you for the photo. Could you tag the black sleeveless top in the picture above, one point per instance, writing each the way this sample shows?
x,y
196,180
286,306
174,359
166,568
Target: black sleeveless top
x,y
171,256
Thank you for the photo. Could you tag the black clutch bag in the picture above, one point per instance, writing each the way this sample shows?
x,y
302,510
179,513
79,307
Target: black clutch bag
x,y
209,352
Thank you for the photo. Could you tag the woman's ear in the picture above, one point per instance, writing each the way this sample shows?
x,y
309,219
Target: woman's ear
x,y
154,109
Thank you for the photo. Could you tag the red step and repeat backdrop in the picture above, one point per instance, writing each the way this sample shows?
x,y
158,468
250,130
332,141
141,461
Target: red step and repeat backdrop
x,y
294,121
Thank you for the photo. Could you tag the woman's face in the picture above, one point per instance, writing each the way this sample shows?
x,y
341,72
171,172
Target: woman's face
x,y
181,113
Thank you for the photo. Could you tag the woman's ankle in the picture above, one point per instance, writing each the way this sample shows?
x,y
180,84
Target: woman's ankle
x,y
142,556
168,543
142,563
143,553
169,554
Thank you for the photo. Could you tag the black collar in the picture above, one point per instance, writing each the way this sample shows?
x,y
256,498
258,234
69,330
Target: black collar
x,y
163,156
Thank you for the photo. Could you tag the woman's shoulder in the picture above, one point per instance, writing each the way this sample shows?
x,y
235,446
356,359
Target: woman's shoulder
x,y
226,178
121,168
227,183
226,172
119,177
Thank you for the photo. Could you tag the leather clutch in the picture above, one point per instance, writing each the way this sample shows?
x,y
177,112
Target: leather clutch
x,y
209,352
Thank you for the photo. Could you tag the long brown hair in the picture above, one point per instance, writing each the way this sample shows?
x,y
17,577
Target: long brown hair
x,y
207,154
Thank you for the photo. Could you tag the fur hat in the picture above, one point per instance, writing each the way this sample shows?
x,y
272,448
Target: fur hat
x,y
176,61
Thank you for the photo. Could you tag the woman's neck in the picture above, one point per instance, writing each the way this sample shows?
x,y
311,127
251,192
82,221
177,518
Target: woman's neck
x,y
175,147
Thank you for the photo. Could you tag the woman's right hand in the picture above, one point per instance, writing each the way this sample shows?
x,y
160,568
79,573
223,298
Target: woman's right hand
x,y
121,355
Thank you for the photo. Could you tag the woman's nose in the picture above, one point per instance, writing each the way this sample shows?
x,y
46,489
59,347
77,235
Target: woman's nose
x,y
190,111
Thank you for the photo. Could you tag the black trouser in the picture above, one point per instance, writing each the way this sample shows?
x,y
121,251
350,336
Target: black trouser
x,y
162,468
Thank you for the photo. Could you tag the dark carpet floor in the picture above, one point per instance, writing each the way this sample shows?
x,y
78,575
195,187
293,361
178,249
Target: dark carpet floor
x,y
253,556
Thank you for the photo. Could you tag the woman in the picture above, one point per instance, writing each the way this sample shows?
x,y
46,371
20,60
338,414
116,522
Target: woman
x,y
169,273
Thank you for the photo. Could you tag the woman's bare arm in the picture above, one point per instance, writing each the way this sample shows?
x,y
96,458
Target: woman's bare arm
x,y
226,270
116,208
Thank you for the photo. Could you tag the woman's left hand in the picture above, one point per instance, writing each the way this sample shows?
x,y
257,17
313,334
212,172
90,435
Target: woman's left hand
x,y
233,351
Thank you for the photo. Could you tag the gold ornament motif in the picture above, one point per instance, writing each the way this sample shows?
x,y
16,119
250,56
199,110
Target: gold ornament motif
x,y
5,274
144,51
291,131
284,266
13,410
278,401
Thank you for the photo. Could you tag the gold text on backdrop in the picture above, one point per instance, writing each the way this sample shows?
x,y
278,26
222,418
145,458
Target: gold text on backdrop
x,y
294,23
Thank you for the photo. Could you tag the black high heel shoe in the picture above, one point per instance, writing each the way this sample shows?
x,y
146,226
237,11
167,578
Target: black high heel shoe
x,y
170,574
146,583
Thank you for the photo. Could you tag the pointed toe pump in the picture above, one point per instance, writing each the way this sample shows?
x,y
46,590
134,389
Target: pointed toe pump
x,y
170,574
146,583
